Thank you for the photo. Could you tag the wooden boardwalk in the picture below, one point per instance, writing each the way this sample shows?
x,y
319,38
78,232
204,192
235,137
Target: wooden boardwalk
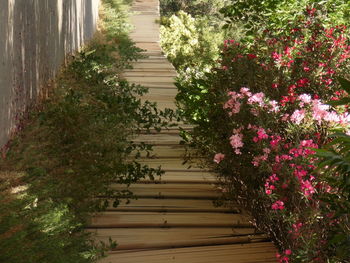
x,y
173,219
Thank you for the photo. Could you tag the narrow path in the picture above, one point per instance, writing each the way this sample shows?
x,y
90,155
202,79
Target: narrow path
x,y
173,219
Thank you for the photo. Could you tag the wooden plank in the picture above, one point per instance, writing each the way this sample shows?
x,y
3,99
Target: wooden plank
x,y
124,236
161,59
187,177
165,151
171,130
137,73
152,66
165,70
263,252
150,46
181,237
172,164
151,79
167,101
170,104
169,190
167,93
159,139
182,177
154,219
172,205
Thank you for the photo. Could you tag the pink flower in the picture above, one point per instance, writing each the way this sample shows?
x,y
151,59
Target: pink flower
x,y
266,150
308,143
262,134
236,108
257,98
274,178
288,252
332,117
251,56
285,117
303,82
276,56
275,141
300,173
319,110
245,91
236,142
284,186
274,106
344,118
274,85
306,98
219,157
307,188
298,116
278,205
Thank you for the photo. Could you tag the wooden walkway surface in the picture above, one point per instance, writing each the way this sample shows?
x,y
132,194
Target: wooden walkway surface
x,y
173,219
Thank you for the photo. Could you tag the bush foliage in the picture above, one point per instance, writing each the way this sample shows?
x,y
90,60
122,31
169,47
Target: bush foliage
x,y
261,110
71,148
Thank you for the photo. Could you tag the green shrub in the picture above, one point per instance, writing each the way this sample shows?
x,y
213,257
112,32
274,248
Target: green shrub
x,y
262,110
334,166
190,43
57,171
193,7
257,15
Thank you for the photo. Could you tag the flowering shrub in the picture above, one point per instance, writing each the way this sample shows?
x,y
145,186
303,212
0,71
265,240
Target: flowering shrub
x,y
267,113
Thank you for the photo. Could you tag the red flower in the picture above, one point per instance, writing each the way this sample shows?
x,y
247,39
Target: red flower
x,y
251,56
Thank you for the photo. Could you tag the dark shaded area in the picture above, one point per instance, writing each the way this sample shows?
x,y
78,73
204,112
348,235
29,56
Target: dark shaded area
x,y
35,37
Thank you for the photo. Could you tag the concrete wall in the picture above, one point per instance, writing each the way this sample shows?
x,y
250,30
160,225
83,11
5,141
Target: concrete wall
x,y
35,36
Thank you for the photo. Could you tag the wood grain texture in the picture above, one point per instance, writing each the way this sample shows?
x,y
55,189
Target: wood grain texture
x,y
239,253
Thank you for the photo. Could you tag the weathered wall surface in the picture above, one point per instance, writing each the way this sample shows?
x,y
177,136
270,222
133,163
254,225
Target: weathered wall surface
x,y
35,36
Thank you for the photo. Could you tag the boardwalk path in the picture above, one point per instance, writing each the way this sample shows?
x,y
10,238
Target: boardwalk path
x,y
174,219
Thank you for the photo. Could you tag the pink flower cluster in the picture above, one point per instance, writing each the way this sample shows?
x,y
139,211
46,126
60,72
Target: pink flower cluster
x,y
278,136
269,185
236,141
296,230
219,157
278,205
276,153
285,258
319,112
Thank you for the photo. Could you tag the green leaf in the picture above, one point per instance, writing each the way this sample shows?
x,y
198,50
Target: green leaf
x,y
343,101
345,84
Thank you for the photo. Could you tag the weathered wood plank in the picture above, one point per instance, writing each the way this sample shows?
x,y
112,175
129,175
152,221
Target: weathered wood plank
x,y
151,79
171,165
159,139
142,73
181,237
152,66
181,177
124,236
170,190
245,253
154,219
172,205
